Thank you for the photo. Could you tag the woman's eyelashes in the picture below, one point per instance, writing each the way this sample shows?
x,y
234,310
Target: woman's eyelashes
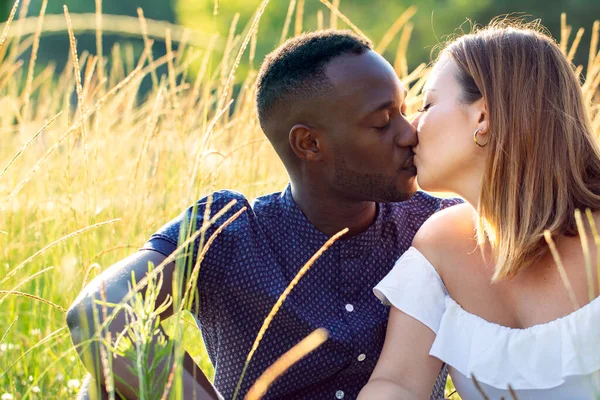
x,y
425,108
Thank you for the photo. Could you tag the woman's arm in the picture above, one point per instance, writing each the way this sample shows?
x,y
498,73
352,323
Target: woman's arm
x,y
405,369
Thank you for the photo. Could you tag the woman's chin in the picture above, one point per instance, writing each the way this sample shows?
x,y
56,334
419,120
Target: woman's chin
x,y
423,183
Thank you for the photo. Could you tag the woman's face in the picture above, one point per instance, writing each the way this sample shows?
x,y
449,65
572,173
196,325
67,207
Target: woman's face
x,y
446,155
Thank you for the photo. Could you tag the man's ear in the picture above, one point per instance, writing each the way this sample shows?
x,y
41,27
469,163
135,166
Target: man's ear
x,y
305,142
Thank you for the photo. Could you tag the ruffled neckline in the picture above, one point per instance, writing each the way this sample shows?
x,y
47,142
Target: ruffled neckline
x,y
538,357
450,302
541,356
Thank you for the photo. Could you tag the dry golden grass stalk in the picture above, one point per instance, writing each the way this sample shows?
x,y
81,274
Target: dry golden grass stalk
x,y
152,124
22,149
57,333
147,44
158,269
99,50
392,32
11,16
171,70
565,32
333,17
289,358
575,44
288,20
80,99
94,267
561,269
111,249
279,302
32,60
9,328
401,63
26,280
344,18
593,45
186,300
33,297
104,358
320,20
479,388
299,18
126,26
58,241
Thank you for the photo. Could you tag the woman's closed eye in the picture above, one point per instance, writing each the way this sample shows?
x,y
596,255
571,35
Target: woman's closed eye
x,y
425,108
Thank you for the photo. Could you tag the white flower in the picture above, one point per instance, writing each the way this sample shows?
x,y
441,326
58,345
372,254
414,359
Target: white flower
x,y
7,396
7,346
73,384
36,389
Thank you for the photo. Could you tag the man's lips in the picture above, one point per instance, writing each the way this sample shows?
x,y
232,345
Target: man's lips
x,y
408,162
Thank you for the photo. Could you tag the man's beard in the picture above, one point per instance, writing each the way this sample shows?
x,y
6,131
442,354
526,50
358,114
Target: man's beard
x,y
367,187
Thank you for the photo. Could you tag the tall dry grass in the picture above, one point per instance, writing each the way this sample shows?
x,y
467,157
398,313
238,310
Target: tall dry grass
x,y
89,169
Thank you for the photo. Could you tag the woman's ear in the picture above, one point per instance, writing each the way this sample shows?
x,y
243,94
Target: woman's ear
x,y
480,116
305,142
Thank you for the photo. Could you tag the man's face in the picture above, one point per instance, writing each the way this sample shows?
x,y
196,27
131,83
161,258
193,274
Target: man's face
x,y
369,141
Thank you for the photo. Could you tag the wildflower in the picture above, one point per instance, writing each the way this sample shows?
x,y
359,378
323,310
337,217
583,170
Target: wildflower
x,y
73,384
36,389
6,396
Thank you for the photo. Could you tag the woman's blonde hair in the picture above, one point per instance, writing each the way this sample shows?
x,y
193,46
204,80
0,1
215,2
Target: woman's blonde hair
x,y
544,160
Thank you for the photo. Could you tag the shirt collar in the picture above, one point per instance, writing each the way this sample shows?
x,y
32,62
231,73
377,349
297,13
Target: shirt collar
x,y
357,246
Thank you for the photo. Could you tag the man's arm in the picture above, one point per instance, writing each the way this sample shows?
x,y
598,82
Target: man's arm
x,y
112,286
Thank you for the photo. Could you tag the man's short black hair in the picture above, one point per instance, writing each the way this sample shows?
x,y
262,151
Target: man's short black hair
x,y
296,70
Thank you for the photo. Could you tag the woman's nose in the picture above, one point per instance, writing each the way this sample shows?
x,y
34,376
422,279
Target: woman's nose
x,y
415,121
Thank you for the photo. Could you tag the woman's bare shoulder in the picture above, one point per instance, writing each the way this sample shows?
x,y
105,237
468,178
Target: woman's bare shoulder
x,y
447,232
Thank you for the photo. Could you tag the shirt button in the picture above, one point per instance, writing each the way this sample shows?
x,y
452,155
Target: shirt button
x,y
349,307
361,357
339,394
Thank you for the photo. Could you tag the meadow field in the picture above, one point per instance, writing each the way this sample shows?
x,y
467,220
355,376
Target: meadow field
x,y
89,168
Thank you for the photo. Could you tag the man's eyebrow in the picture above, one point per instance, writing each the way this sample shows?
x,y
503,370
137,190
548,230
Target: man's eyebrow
x,y
388,103
383,106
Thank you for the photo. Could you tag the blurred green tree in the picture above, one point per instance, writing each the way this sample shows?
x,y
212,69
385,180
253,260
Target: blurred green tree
x,y
434,20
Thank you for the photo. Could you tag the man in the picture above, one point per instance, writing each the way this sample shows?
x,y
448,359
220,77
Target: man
x,y
333,109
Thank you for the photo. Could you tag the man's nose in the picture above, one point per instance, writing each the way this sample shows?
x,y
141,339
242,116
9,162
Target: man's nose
x,y
407,137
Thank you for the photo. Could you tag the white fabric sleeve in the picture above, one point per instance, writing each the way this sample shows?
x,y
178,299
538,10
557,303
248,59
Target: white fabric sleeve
x,y
414,287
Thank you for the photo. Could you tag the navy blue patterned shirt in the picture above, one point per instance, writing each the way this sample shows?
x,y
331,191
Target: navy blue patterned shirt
x,y
254,259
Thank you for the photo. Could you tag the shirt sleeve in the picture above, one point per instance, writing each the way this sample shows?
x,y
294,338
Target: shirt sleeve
x,y
445,203
189,223
414,287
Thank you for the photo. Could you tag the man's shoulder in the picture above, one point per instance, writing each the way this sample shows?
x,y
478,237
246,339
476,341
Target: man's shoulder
x,y
222,198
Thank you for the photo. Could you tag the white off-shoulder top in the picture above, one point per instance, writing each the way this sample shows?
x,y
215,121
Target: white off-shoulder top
x,y
556,360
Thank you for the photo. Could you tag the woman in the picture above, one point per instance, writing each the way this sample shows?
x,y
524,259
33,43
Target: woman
x,y
505,126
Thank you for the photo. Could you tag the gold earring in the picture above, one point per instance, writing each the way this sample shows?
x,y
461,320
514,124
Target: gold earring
x,y
475,138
